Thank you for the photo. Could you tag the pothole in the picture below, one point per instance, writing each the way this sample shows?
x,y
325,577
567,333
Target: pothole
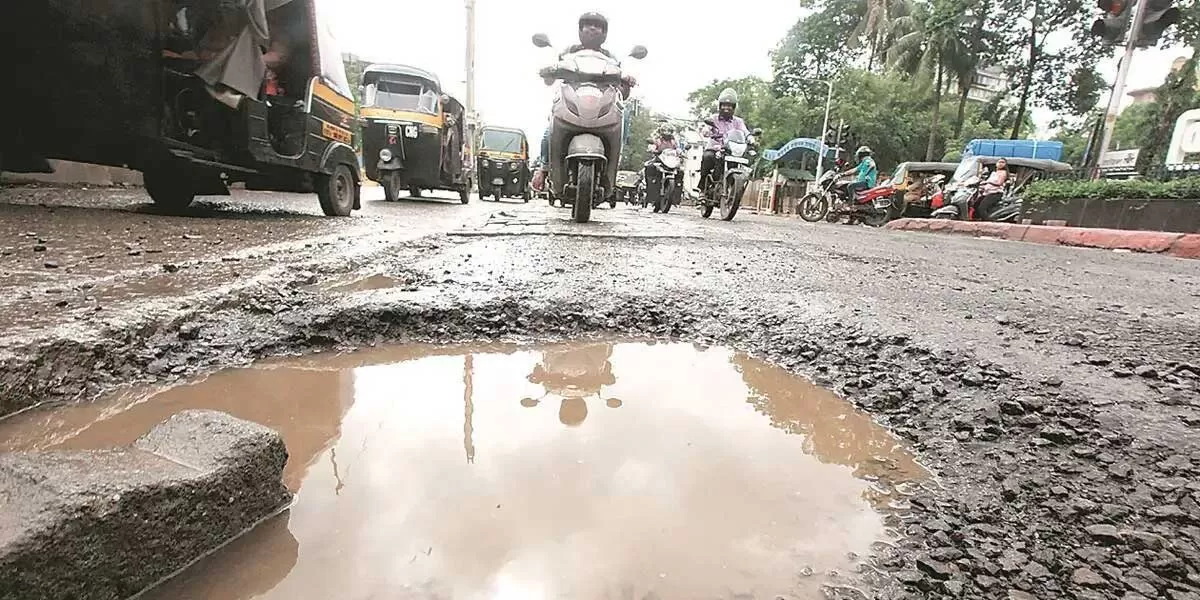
x,y
579,470
377,281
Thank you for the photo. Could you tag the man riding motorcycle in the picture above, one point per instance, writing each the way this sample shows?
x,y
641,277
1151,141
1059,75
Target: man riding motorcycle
x,y
865,173
593,32
724,122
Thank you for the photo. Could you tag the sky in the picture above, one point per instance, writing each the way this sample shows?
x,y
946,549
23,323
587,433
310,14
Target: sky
x,y
689,47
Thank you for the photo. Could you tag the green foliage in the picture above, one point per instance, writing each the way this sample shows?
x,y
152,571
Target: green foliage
x,y
641,128
1135,126
1051,191
354,71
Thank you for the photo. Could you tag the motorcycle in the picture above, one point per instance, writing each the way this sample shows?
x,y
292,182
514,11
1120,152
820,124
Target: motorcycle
x,y
662,193
725,185
873,207
587,127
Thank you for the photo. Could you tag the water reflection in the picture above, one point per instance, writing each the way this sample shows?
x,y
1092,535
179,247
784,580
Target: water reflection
x,y
719,476
574,374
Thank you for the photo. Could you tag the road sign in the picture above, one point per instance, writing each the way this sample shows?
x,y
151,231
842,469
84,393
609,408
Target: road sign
x,y
1119,159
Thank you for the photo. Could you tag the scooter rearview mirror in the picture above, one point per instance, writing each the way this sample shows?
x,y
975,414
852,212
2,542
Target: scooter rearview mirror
x,y
541,40
639,52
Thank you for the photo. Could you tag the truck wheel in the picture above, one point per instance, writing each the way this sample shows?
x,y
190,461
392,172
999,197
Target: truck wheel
x,y
168,188
336,192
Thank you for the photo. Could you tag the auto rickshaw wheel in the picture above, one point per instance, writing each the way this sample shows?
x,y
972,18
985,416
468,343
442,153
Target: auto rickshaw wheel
x,y
527,196
390,193
464,193
414,192
168,188
336,192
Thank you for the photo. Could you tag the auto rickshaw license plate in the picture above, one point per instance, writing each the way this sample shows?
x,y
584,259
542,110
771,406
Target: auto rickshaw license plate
x,y
410,131
497,181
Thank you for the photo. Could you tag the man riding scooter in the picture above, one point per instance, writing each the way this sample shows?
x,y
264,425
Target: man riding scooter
x,y
593,32
866,174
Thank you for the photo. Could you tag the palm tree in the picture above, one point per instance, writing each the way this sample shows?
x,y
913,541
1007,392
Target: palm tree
x,y
931,40
875,27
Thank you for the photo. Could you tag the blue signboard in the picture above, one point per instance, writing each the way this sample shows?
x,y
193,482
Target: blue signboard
x,y
793,149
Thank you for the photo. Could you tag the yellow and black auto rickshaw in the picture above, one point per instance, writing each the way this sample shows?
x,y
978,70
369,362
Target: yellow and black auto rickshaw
x,y
196,94
412,133
503,164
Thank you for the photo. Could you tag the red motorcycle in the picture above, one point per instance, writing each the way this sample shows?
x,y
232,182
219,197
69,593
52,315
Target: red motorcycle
x,y
872,207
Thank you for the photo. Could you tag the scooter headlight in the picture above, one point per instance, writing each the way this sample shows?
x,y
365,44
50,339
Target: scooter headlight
x,y
737,149
385,155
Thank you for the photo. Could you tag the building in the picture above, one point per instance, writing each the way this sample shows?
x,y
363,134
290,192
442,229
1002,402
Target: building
x,y
1150,94
987,83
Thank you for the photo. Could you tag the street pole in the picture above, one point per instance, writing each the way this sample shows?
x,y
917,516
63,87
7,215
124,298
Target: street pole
x,y
472,117
1118,90
825,128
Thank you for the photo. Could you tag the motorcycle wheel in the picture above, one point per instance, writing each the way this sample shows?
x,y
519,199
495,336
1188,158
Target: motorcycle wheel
x,y
731,199
497,197
585,186
664,197
706,210
814,207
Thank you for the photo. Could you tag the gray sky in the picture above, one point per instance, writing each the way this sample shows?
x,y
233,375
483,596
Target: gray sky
x,y
689,46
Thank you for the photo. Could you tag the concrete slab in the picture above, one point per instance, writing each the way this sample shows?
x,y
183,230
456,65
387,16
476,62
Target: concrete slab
x,y
109,524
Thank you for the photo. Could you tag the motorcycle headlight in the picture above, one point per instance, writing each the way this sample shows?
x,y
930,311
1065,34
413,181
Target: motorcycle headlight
x,y
670,162
754,153
385,155
737,149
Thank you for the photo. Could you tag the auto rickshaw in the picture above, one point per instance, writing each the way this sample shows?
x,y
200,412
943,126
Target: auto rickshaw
x,y
412,133
911,186
503,164
195,94
958,199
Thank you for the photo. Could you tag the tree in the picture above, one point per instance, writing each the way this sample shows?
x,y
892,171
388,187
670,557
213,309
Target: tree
x,y
1135,125
354,72
1038,69
641,127
932,42
1175,96
816,46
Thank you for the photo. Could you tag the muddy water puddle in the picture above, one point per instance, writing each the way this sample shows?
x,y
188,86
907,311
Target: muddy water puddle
x,y
588,470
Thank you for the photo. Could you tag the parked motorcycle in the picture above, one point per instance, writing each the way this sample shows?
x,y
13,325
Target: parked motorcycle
x,y
663,191
872,207
587,128
727,182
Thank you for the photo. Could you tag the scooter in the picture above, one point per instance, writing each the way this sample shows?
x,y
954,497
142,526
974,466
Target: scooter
x,y
586,128
662,194
965,201
727,182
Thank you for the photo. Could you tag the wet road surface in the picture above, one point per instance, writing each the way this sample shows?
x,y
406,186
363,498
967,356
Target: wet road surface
x,y
74,253
1053,390
580,470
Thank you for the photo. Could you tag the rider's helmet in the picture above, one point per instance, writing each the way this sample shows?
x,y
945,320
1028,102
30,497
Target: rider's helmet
x,y
666,130
595,18
728,96
862,151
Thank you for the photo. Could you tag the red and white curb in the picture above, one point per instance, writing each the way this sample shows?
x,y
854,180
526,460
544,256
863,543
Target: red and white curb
x,y
1180,245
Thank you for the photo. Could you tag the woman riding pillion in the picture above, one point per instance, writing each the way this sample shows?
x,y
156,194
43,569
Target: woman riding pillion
x,y
593,32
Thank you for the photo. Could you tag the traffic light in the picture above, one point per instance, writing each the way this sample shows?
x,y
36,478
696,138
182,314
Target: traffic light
x,y
844,132
1159,16
1112,26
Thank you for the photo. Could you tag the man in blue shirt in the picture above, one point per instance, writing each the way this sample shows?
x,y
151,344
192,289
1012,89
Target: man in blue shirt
x,y
865,174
